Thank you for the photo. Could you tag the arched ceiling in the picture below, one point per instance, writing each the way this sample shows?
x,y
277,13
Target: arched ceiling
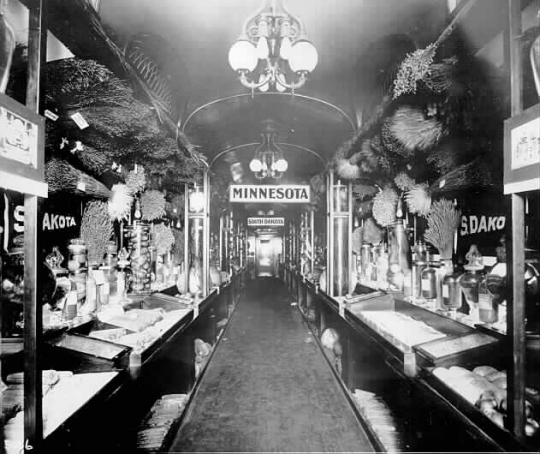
x,y
222,115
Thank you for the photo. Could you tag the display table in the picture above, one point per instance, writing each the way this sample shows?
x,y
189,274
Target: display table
x,y
391,347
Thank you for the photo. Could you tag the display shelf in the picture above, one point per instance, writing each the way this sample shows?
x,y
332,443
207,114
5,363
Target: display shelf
x,y
411,365
471,417
64,402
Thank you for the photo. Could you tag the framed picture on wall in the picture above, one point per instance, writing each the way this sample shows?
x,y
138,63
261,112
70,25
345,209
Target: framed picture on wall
x,y
22,139
522,151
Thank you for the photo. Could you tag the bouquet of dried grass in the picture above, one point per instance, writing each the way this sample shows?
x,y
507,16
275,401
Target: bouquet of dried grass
x,y
440,75
404,182
136,179
120,202
385,206
162,238
442,221
418,199
63,177
152,205
96,230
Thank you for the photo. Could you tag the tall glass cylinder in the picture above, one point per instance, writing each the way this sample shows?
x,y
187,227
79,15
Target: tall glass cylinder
x,y
399,258
138,238
340,227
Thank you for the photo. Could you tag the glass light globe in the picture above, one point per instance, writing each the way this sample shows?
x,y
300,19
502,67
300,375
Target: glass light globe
x,y
303,56
255,165
285,48
243,56
196,201
262,48
281,165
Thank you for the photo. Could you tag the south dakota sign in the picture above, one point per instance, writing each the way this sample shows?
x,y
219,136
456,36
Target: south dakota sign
x,y
246,193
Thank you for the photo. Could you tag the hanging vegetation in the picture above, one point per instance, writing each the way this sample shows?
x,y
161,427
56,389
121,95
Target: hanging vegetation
x,y
384,207
136,179
162,238
475,174
442,221
120,202
413,69
96,230
361,191
152,205
63,177
413,130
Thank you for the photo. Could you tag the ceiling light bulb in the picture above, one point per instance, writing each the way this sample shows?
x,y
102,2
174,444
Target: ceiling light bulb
x,y
243,56
255,165
262,48
281,165
285,48
303,57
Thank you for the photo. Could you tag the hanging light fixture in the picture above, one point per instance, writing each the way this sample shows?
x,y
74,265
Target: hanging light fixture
x,y
268,161
273,51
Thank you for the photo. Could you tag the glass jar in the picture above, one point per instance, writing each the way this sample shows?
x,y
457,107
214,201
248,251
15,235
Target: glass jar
x,y
398,261
416,279
470,280
451,292
429,282
365,257
382,268
77,260
470,284
487,306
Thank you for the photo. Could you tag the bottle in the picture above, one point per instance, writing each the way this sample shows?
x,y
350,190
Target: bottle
x,y
382,268
366,260
91,293
429,282
470,281
420,261
70,307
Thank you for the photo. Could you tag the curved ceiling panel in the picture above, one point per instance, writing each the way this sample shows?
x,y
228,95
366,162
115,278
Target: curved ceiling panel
x,y
301,121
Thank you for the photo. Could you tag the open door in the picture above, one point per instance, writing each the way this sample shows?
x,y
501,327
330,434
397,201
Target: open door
x,y
267,256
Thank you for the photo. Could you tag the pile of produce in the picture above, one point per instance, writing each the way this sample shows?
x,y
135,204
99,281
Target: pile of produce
x,y
381,419
157,424
485,387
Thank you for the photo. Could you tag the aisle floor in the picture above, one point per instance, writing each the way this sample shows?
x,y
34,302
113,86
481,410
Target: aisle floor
x,y
268,386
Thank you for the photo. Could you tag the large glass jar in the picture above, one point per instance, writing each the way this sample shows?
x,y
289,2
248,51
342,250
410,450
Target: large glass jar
x,y
451,292
429,282
487,305
399,260
366,260
470,284
138,236
470,281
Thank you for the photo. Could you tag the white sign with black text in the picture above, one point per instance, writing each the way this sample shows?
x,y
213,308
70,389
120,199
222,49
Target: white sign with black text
x,y
265,222
248,193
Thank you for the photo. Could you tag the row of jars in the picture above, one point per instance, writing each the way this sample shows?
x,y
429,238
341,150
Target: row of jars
x,y
429,280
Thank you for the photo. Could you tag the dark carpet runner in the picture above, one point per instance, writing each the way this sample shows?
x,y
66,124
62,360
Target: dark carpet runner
x,y
268,387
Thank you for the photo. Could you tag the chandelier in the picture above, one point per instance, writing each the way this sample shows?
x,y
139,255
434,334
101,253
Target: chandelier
x,y
268,161
273,51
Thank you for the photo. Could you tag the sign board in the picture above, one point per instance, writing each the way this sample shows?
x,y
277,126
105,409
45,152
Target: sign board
x,y
289,193
22,139
265,222
522,151
59,220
